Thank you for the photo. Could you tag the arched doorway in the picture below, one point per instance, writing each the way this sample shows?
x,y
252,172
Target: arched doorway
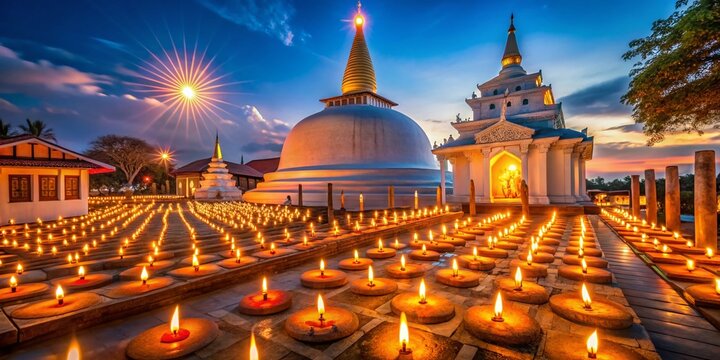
x,y
505,177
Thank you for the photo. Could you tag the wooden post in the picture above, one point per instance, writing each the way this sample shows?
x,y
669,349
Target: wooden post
x,y
635,195
330,211
417,201
705,200
472,198
342,199
391,197
300,202
650,197
362,202
672,199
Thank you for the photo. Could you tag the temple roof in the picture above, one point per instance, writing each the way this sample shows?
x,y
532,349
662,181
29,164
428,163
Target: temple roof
x,y
539,134
200,166
359,73
70,159
265,166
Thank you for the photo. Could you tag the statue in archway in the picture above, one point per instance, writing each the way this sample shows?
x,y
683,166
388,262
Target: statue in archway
x,y
525,198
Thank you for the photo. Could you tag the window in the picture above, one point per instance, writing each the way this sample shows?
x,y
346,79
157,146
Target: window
x,y
525,101
492,106
509,104
72,187
518,88
48,187
20,186
495,92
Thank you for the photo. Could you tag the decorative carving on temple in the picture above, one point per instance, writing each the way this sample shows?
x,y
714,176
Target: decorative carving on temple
x,y
503,131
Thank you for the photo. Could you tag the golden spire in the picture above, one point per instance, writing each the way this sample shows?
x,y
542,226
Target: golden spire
x,y
359,73
512,53
217,154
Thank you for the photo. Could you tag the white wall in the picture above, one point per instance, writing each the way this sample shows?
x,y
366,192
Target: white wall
x,y
24,212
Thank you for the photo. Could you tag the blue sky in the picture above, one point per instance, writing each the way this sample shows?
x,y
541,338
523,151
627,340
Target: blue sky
x,y
77,65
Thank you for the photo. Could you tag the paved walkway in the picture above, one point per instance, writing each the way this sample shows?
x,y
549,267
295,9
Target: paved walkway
x,y
676,329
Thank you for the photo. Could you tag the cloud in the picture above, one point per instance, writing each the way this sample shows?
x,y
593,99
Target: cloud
x,y
35,50
257,147
598,99
271,17
111,44
6,105
37,78
627,128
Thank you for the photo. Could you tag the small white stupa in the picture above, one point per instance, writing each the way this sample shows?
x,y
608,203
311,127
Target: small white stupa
x,y
217,183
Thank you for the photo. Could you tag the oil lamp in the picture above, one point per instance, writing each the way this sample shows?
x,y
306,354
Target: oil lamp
x,y
584,266
121,252
144,276
195,263
518,279
371,277
491,243
13,284
264,288
356,257
592,345
456,271
717,285
53,250
272,248
81,272
709,252
587,302
402,262
415,237
238,257
380,245
498,309
475,253
690,265
59,295
665,249
151,260
176,332
397,244
421,292
322,267
424,250
404,336
19,269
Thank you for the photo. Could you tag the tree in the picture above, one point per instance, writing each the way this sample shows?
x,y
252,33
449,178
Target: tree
x,y
6,130
676,84
39,129
126,153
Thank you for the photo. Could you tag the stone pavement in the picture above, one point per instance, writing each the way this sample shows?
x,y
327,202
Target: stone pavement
x,y
450,339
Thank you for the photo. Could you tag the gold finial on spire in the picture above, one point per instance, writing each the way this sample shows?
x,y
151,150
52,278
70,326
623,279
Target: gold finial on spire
x,y
217,154
359,73
512,52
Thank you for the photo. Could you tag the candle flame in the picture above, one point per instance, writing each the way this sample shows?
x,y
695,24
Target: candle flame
x,y
322,265
690,265
586,296
583,263
371,276
592,343
144,274
498,306
357,257
195,261
320,306
175,321
455,268
254,355
402,262
380,245
421,292
518,278
529,257
81,271
264,285
13,281
475,252
709,252
424,249
59,293
717,285
404,332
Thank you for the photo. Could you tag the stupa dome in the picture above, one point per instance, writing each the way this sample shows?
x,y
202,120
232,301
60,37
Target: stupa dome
x,y
356,136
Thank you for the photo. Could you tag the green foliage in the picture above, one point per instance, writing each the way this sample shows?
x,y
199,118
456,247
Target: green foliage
x,y
6,130
39,129
687,183
676,84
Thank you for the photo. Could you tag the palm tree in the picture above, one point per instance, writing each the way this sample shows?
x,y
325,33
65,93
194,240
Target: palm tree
x,y
6,130
38,128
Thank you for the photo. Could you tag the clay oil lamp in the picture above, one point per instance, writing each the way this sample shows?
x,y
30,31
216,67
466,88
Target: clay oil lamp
x,y
195,263
323,278
184,337
497,324
380,252
266,301
321,324
144,276
456,277
355,263
13,284
423,308
690,265
53,251
424,254
709,252
598,311
373,286
59,295
19,269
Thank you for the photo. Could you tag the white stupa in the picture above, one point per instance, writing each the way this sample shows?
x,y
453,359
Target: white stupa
x,y
217,183
358,143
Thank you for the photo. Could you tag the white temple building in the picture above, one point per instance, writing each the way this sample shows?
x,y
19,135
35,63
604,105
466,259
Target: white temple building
x,y
217,182
358,143
517,132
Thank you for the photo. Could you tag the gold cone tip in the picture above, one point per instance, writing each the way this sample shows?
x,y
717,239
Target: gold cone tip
x,y
359,73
